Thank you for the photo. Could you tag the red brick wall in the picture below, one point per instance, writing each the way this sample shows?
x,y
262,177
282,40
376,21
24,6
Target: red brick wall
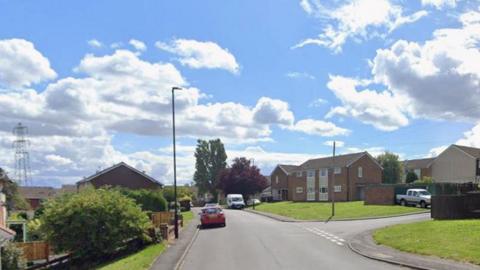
x,y
380,195
295,182
122,177
372,174
282,181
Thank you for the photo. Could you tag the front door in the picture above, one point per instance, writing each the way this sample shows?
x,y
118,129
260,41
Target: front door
x,y
311,185
323,185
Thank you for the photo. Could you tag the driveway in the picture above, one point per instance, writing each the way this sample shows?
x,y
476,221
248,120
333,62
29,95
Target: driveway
x,y
251,241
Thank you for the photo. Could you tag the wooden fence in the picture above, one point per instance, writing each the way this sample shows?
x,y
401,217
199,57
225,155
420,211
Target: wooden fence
x,y
456,206
162,217
37,250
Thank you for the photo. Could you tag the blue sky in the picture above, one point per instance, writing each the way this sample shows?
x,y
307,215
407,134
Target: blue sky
x,y
276,80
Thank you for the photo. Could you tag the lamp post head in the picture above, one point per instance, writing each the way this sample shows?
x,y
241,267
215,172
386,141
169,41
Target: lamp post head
x,y
176,88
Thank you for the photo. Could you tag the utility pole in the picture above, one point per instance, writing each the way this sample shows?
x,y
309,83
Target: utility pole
x,y
174,163
333,181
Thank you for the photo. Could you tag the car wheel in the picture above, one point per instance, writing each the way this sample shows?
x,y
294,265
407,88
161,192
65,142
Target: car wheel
x,y
423,204
224,224
403,203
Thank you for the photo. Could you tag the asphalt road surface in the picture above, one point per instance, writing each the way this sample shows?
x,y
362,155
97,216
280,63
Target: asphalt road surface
x,y
250,241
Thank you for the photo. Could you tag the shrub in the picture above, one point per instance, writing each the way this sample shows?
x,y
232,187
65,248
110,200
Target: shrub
x,y
34,230
411,177
93,223
149,200
12,257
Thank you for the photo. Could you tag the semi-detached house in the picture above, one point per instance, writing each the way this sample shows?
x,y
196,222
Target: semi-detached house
x,y
313,180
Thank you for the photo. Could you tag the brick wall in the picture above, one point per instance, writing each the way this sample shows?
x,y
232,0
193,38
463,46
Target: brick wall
x,y
282,182
380,195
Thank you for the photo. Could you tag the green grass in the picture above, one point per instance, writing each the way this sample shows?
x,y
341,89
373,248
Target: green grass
x,y
141,260
343,210
187,217
452,239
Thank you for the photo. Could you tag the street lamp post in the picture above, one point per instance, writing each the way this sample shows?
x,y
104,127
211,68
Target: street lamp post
x,y
174,163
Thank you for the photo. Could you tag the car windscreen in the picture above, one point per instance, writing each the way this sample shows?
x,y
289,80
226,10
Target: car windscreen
x,y
424,193
212,210
237,199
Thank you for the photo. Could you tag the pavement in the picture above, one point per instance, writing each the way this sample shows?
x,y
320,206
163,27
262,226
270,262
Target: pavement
x,y
176,250
251,241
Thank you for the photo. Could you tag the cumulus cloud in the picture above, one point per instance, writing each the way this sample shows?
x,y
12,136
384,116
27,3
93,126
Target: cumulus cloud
x,y
272,111
94,43
138,45
355,19
319,128
299,75
201,54
439,4
22,65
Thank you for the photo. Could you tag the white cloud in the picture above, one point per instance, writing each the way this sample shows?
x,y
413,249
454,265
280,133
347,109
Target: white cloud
x,y
383,110
471,137
56,160
319,128
356,19
318,102
300,75
338,144
200,54
272,111
94,43
138,45
439,4
22,65
434,152
116,45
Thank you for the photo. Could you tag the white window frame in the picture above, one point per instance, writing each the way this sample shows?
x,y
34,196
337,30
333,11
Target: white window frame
x,y
276,179
337,170
299,190
323,172
299,174
360,172
418,172
337,188
311,173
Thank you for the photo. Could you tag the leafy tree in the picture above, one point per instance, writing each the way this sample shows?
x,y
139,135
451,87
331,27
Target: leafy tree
x,y
392,167
182,192
411,177
242,178
14,201
211,159
93,223
148,200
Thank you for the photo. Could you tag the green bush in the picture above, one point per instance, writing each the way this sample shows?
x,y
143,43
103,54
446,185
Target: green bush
x,y
411,177
149,200
93,223
12,257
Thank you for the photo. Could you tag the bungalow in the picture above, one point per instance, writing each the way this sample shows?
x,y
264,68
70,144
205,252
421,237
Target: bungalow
x,y
421,167
313,180
35,195
457,164
120,175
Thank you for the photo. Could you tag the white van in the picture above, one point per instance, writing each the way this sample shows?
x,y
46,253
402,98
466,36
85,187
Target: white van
x,y
235,201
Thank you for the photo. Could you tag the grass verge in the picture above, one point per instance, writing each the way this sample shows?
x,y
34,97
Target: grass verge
x,y
187,217
451,239
343,210
140,260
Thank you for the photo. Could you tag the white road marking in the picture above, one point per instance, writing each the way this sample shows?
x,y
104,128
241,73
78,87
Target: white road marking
x,y
328,236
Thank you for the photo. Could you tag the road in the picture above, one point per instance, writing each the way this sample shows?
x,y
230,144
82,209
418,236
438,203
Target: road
x,y
250,241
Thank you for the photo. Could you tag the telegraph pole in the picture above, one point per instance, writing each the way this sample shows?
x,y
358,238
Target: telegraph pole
x,y
174,163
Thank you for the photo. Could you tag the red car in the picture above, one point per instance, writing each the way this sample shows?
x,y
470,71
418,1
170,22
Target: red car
x,y
212,216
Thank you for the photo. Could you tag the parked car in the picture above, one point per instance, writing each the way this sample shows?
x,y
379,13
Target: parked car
x,y
235,201
212,216
252,201
211,205
415,196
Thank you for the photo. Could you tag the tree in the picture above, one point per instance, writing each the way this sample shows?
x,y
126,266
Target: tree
x,y
242,178
411,177
392,167
148,200
94,223
14,201
211,159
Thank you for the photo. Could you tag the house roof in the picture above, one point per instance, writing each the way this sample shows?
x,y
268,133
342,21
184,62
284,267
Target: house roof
x,y
288,168
37,192
472,151
116,166
340,161
418,163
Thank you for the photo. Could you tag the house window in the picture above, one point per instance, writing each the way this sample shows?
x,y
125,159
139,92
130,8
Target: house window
x,y
276,179
323,172
311,173
299,189
299,174
417,172
323,190
360,172
338,188
337,170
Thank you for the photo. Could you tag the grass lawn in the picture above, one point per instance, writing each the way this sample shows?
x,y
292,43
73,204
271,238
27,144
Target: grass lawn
x,y
187,217
343,210
452,239
141,260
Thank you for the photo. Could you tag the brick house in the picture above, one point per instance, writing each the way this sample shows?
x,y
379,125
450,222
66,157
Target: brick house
x,y
120,175
35,195
313,180
421,167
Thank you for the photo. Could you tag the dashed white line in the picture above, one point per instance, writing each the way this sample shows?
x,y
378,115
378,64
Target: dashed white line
x,y
331,237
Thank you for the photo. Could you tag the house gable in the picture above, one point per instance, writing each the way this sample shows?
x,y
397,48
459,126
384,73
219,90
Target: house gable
x,y
454,165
